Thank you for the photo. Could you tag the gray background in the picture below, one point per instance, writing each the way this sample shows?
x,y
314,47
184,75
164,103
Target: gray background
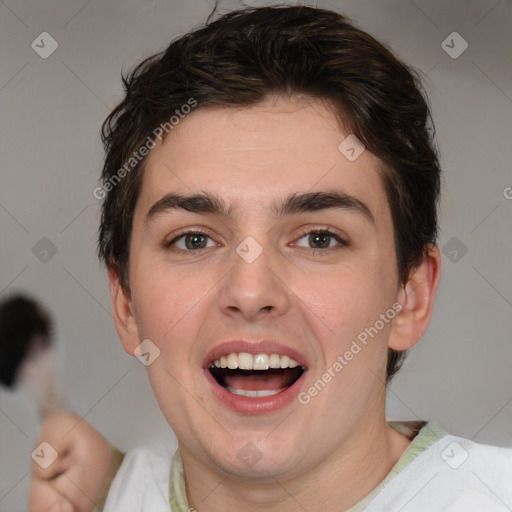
x,y
459,375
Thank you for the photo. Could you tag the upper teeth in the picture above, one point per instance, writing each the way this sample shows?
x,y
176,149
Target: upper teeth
x,y
246,361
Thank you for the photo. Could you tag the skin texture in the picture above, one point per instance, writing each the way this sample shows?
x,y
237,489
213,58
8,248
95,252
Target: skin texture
x,y
330,453
75,480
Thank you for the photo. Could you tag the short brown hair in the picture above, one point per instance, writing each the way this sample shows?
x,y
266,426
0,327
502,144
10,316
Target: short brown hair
x,y
243,57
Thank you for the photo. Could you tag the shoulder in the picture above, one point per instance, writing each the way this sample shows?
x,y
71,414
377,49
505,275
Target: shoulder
x,y
453,474
478,465
143,457
142,482
464,474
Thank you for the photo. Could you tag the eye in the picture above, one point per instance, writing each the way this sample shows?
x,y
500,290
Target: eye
x,y
322,239
190,241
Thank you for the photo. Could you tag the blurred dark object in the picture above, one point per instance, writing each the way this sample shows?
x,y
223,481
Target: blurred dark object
x,y
24,324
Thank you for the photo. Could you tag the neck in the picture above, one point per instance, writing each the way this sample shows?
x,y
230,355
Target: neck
x,y
351,472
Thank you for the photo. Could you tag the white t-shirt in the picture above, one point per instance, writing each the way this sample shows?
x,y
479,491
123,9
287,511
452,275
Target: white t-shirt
x,y
437,473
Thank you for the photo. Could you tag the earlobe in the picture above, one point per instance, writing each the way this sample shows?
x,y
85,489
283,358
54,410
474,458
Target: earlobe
x,y
417,300
124,318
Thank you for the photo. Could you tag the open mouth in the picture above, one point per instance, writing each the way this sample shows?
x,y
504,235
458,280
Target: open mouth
x,y
253,376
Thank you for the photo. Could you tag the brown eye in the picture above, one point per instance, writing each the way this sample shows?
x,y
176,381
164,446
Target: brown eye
x,y
322,239
319,240
195,241
190,241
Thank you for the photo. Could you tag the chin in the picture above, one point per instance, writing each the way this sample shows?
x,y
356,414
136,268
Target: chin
x,y
249,458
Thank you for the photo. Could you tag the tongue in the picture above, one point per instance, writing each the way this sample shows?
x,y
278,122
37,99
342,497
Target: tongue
x,y
271,380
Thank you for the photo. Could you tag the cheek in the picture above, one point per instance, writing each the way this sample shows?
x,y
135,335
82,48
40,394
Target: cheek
x,y
164,297
343,302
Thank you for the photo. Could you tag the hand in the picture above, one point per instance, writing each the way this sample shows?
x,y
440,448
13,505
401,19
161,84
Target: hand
x,y
74,482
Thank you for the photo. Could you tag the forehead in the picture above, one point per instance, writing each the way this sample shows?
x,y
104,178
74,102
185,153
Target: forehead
x,y
251,156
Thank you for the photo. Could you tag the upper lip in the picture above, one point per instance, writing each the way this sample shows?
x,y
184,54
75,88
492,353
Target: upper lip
x,y
254,347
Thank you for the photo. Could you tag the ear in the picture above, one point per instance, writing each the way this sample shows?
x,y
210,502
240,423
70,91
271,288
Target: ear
x,y
417,300
124,318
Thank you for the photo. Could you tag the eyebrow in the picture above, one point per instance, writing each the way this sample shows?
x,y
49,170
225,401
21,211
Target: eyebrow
x,y
293,204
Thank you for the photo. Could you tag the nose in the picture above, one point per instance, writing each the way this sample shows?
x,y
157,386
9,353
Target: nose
x,y
254,288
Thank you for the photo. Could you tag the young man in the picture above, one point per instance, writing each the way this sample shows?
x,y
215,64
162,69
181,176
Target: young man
x,y
269,226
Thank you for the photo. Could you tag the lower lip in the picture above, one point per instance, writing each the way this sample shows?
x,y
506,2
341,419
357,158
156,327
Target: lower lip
x,y
261,405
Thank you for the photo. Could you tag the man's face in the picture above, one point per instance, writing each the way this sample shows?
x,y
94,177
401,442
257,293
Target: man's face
x,y
257,274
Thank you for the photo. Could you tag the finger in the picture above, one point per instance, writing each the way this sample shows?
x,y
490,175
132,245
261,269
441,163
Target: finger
x,y
44,498
61,493
68,485
47,462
